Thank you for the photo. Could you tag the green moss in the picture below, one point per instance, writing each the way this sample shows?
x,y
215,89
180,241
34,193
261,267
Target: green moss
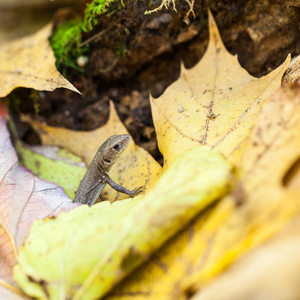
x,y
65,43
93,9
67,37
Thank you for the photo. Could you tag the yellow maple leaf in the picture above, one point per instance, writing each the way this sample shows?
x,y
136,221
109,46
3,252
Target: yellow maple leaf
x,y
29,62
135,160
215,103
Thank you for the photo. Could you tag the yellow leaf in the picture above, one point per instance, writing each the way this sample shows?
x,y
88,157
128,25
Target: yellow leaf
x,y
264,201
83,253
269,272
136,167
115,233
259,206
215,103
29,62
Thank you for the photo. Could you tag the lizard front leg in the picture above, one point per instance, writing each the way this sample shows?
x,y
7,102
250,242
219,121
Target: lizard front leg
x,y
123,190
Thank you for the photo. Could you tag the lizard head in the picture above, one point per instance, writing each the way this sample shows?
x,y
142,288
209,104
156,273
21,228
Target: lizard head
x,y
111,149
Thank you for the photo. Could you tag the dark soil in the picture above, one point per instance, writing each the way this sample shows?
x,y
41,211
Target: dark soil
x,y
133,53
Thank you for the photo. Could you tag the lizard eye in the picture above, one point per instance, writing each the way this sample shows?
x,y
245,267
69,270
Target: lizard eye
x,y
107,160
116,146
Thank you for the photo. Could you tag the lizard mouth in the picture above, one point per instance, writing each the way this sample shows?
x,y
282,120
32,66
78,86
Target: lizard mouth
x,y
126,141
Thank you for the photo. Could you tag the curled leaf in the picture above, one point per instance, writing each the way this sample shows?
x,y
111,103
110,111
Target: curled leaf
x,y
82,254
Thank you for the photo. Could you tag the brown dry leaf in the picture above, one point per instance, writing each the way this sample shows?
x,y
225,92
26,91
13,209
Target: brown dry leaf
x,y
29,62
134,168
23,199
215,103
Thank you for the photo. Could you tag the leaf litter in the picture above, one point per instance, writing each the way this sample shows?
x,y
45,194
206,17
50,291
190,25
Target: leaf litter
x,y
115,233
255,210
270,153
218,220
53,164
135,160
24,198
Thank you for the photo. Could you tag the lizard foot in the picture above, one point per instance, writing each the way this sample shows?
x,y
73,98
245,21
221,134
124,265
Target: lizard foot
x,y
136,191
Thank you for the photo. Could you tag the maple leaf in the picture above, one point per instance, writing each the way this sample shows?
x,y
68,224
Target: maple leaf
x,y
30,62
23,198
214,104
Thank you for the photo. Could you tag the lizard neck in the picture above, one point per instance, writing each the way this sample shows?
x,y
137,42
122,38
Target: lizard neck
x,y
100,166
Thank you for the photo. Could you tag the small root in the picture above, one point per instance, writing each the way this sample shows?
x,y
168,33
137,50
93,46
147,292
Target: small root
x,y
166,4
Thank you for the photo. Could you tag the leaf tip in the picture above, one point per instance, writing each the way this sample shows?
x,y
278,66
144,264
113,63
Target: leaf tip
x,y
112,111
214,35
73,88
288,58
211,20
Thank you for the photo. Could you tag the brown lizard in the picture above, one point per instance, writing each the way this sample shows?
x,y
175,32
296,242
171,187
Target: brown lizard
x,y
96,176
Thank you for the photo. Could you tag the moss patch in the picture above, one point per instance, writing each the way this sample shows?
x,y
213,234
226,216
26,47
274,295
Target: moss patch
x,y
67,37
93,9
65,43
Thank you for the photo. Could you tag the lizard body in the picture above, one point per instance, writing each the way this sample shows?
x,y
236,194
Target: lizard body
x,y
96,177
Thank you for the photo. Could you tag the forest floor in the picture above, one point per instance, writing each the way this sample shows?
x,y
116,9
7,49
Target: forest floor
x,y
132,55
